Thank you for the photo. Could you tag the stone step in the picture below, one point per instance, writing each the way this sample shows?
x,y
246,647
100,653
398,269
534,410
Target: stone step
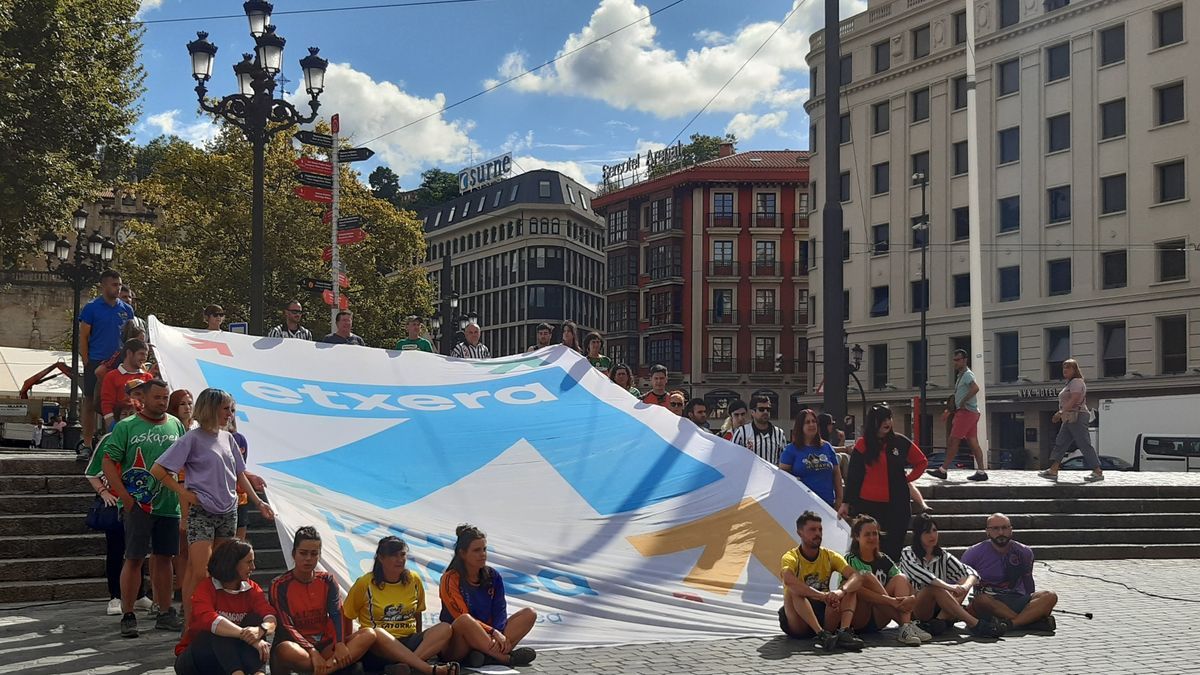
x,y
63,567
1048,490
25,485
1031,521
1044,506
77,503
92,544
48,523
1132,552
59,589
1082,537
41,464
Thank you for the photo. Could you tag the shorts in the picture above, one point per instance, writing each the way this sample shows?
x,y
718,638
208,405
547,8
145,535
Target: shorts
x,y
147,534
205,526
1014,601
89,380
243,515
966,425
282,636
818,608
371,662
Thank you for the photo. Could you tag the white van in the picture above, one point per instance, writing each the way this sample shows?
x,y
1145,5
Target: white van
x,y
1124,420
1167,452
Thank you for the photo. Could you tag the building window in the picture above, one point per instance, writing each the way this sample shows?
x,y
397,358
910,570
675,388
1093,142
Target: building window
x,y
920,235
618,226
959,86
962,290
1058,133
881,237
1010,213
962,223
1009,75
918,364
959,150
1009,348
1059,274
766,203
877,356
1112,119
722,353
845,245
1114,269
1112,45
764,353
1058,204
1058,349
880,297
1172,344
1058,62
1112,338
1112,194
844,187
723,252
1172,260
919,295
544,189
883,56
920,165
1052,5
846,305
846,70
960,28
920,42
1168,103
1170,177
919,102
881,117
812,138
1010,283
723,203
1009,145
1168,25
844,128
1010,12
880,177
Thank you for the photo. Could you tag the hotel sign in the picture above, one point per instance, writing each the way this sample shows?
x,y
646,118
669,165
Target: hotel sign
x,y
481,175
668,155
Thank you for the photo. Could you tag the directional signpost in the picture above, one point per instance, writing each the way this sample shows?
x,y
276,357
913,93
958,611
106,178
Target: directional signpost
x,y
354,154
310,165
351,236
314,179
349,222
313,138
315,284
314,194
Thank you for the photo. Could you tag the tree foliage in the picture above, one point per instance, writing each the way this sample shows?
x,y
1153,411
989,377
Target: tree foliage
x,y
701,148
385,184
199,251
69,83
437,186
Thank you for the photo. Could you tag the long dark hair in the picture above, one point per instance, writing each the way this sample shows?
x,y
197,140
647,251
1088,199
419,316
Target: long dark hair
x,y
876,416
922,523
612,374
825,427
798,438
389,545
222,566
467,535
856,529
574,328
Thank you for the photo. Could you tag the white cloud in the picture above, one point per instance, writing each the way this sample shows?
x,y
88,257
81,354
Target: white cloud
x,y
746,125
146,6
711,37
196,133
633,70
586,174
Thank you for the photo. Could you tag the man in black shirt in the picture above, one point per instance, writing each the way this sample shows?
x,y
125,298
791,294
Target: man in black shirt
x,y
344,336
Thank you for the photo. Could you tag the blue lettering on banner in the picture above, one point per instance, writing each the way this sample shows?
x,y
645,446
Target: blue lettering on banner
x,y
446,432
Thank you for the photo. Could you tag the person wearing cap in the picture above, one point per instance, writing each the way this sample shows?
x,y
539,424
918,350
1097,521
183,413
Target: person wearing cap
x,y
115,387
214,316
545,333
293,312
414,342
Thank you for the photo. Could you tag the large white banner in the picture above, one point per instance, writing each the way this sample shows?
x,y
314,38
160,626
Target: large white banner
x,y
616,521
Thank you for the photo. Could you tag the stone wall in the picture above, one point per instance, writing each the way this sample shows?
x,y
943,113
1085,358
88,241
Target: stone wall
x,y
35,311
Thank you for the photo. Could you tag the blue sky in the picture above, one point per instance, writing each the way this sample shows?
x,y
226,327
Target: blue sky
x,y
633,91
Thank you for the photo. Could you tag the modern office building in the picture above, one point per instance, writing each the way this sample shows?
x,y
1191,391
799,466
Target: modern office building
x,y
706,276
523,250
1087,157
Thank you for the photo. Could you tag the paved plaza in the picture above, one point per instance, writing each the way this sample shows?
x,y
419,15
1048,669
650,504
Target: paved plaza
x,y
1131,633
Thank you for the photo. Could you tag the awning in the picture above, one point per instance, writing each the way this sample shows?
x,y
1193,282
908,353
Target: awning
x,y
18,365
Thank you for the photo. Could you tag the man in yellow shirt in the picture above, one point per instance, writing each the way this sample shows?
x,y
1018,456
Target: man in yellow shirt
x,y
807,572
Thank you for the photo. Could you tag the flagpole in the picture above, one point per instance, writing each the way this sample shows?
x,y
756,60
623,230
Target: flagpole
x,y
974,248
335,262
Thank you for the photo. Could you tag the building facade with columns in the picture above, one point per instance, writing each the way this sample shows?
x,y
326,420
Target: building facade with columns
x,y
1088,162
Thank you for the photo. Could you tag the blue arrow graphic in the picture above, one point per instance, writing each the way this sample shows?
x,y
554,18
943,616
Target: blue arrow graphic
x,y
445,432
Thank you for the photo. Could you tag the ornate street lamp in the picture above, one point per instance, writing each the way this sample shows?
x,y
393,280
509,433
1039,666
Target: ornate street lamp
x,y
256,111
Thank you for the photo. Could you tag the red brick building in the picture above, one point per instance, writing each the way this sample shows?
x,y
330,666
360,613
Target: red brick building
x,y
707,275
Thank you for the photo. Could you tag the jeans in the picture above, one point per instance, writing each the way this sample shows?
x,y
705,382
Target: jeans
x,y
1075,431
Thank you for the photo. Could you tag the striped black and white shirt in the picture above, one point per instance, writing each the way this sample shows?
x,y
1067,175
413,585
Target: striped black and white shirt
x,y
768,443
300,333
466,350
945,567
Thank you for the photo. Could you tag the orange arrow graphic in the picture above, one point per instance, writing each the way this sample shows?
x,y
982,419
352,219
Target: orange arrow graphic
x,y
729,537
201,343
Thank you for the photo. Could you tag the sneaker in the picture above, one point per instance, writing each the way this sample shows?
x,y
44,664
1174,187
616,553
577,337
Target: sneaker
x,y
846,638
1047,624
169,620
934,626
114,607
978,476
987,628
129,627
153,610
474,659
916,629
143,603
825,640
922,509
521,656
939,473
1048,475
907,636
1093,478
83,453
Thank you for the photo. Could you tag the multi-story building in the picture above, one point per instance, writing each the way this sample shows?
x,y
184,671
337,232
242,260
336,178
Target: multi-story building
x,y
705,275
523,250
1087,161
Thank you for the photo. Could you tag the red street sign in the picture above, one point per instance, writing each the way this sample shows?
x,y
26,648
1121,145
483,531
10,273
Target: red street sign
x,y
310,165
351,236
335,123
343,281
314,194
327,254
343,300
326,217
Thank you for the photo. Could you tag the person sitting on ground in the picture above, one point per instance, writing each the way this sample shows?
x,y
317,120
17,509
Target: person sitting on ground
x,y
809,607
112,391
230,618
813,462
941,582
390,600
622,376
886,594
1005,568
473,602
309,604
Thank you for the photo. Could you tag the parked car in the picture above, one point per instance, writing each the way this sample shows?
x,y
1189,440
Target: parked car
x,y
963,460
1107,463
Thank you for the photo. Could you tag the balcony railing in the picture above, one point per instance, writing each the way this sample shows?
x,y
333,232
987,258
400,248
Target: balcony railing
x,y
765,219
665,318
721,365
724,219
799,269
723,268
621,325
668,224
667,273
765,268
799,317
800,220
622,281
765,317
727,318
762,365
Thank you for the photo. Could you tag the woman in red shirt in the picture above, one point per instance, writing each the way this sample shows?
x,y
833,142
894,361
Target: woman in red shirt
x,y
877,483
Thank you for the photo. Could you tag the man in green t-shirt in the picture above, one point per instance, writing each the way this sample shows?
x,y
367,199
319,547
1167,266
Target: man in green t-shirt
x,y
149,512
414,341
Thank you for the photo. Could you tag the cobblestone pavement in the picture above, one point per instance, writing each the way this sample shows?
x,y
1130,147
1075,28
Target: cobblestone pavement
x,y
1131,633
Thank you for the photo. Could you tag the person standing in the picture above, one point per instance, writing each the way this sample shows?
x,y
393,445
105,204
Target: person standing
x,y
570,336
100,324
622,376
150,514
813,462
471,347
35,437
414,341
696,410
545,333
676,401
112,391
658,387
594,344
214,316
738,414
293,313
965,421
1005,568
877,484
180,405
344,322
760,435
1074,415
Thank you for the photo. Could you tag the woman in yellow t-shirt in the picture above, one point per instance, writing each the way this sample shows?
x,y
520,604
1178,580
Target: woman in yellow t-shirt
x,y
389,600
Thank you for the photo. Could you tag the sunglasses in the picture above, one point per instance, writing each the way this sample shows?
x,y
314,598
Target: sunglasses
x,y
763,409
295,311
676,405
218,314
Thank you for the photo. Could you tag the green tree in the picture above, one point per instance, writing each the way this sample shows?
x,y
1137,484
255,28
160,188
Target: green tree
x,y
198,252
700,148
69,83
437,186
385,184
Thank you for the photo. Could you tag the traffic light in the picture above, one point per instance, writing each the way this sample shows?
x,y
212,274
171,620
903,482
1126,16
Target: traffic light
x,y
779,363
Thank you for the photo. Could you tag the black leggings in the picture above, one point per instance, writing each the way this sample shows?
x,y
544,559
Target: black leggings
x,y
114,560
209,654
893,520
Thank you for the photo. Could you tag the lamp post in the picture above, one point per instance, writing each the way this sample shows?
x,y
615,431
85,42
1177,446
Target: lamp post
x,y
855,365
81,270
923,228
256,111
